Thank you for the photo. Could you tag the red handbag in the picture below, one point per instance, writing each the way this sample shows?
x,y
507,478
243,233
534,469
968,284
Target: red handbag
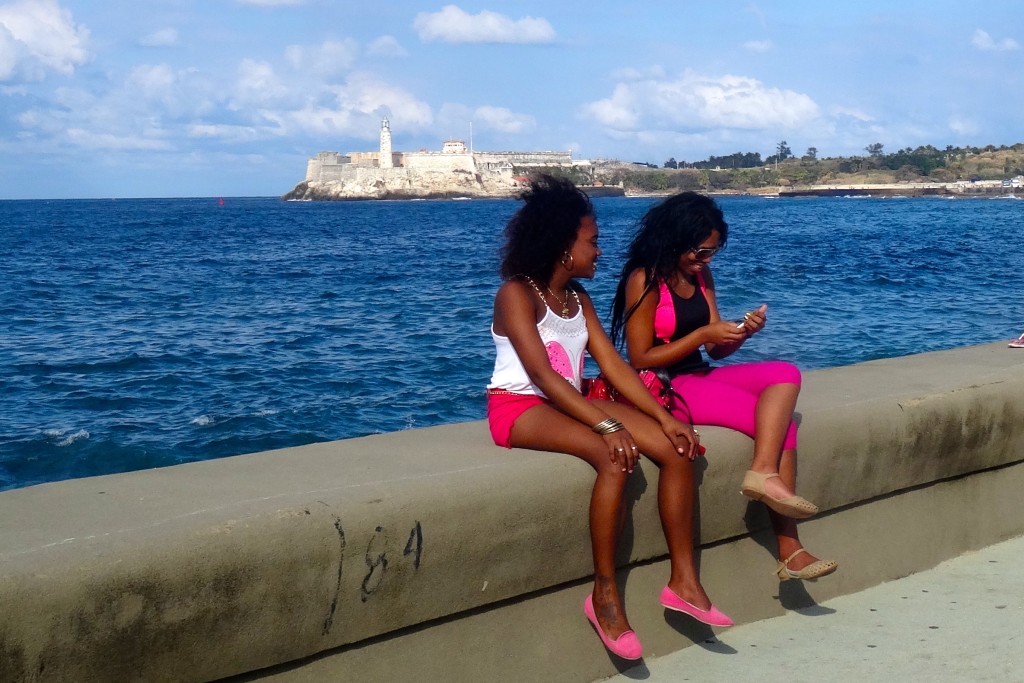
x,y
656,381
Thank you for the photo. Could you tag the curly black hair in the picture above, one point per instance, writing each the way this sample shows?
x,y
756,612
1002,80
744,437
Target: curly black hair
x,y
544,228
668,230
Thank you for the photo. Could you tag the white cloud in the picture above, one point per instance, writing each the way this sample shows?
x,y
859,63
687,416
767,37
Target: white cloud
x,y
365,93
983,41
111,142
224,132
326,60
387,46
504,120
618,112
694,102
165,37
355,110
159,91
257,86
37,36
152,80
962,126
759,45
851,113
454,25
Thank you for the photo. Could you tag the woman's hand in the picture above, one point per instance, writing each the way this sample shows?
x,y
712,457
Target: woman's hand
x,y
724,332
753,322
622,449
683,436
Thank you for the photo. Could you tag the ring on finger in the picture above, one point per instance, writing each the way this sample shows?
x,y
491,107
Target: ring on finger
x,y
621,450
634,447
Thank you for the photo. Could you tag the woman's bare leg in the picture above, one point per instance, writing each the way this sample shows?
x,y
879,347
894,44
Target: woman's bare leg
x,y
785,527
676,502
775,409
545,428
774,412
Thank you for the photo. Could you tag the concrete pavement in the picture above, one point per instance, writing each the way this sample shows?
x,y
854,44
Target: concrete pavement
x,y
961,621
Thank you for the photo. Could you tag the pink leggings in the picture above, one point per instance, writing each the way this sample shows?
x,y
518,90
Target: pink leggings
x,y
727,396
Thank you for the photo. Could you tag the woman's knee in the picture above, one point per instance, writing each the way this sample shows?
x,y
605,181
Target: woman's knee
x,y
671,463
611,473
786,373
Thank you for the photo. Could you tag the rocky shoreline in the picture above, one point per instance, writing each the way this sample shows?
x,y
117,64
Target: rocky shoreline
x,y
307,191
960,189
478,188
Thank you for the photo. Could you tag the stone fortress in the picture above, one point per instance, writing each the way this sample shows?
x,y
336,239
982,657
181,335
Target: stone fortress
x,y
454,171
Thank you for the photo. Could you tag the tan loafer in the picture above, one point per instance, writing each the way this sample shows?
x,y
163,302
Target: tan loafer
x,y
809,573
793,506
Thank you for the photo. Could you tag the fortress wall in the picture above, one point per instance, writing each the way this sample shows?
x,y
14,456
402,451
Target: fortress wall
x,y
324,166
334,167
338,173
438,162
365,158
434,554
313,169
527,158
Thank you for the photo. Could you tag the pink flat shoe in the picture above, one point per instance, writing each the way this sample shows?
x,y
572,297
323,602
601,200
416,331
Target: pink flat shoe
x,y
626,645
711,616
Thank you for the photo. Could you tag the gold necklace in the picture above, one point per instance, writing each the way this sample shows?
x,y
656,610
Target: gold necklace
x,y
565,304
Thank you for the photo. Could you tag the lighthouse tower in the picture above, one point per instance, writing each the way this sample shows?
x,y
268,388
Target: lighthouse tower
x,y
385,144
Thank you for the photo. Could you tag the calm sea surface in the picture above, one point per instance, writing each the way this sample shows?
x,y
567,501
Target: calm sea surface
x,y
142,333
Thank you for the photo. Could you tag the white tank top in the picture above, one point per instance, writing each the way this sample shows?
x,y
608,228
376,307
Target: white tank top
x,y
565,340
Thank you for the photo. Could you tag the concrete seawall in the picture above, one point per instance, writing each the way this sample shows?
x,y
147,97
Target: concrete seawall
x,y
432,553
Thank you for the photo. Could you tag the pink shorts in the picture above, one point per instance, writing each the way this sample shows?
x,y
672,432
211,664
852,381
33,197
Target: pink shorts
x,y
503,409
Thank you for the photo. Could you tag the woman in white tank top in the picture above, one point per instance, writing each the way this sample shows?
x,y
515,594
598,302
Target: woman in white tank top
x,y
543,323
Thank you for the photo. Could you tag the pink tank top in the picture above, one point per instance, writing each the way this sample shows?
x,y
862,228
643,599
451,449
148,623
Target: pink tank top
x,y
665,313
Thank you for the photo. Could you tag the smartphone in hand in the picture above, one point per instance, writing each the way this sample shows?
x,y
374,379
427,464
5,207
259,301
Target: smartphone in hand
x,y
761,309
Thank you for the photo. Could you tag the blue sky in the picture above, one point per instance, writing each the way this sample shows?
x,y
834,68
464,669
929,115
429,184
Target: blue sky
x,y
230,97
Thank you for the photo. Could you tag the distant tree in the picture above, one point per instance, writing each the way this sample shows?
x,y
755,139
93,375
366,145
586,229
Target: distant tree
x,y
812,154
874,149
782,151
671,163
737,160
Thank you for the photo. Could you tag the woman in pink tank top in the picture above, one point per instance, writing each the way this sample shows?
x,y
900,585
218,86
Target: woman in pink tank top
x,y
665,307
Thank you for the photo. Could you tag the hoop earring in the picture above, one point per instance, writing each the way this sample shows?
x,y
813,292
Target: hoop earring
x,y
567,258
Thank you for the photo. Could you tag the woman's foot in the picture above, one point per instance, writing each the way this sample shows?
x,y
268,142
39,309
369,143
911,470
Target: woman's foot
x,y
609,612
690,591
769,488
799,557
800,564
625,644
711,615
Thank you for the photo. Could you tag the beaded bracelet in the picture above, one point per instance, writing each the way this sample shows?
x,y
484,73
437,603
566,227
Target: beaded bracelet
x,y
608,426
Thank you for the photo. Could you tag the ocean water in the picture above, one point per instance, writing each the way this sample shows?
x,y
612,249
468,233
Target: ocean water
x,y
143,333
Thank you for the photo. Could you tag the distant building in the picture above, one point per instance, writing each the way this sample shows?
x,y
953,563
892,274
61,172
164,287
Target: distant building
x,y
386,158
454,157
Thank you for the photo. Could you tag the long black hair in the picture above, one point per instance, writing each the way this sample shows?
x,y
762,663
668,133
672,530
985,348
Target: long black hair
x,y
544,228
668,230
